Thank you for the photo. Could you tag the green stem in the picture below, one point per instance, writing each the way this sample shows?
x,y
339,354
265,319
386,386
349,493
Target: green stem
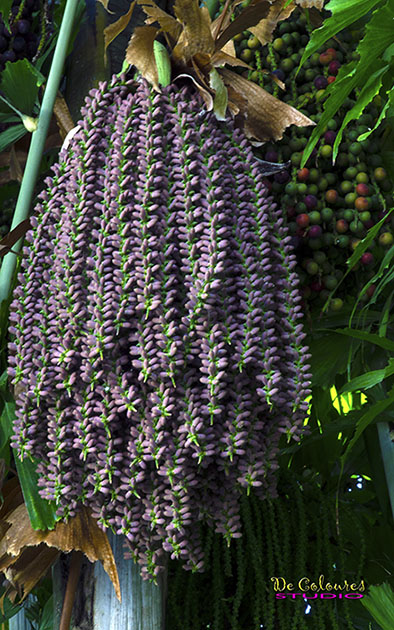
x,y
37,145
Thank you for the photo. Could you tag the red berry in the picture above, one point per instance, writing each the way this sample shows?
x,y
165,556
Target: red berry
x,y
362,190
325,58
341,226
367,259
334,67
331,195
302,220
315,231
303,174
361,204
330,79
316,286
332,52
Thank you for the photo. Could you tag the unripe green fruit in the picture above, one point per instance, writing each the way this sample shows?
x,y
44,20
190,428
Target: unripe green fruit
x,y
362,178
336,304
319,257
330,282
343,241
323,184
296,159
365,216
291,188
286,65
346,186
326,151
331,178
312,268
315,243
361,167
310,74
314,217
386,239
314,175
278,44
350,199
356,226
302,188
355,148
247,55
327,214
253,42
313,189
348,215
332,125
350,172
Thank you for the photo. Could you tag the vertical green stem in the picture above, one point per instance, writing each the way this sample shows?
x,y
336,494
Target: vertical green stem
x,y
37,144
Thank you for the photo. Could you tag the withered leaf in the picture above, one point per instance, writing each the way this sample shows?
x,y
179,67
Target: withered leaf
x,y
196,36
265,28
27,570
140,53
256,11
114,29
307,4
222,21
63,117
105,4
206,95
265,117
80,533
221,58
167,22
13,236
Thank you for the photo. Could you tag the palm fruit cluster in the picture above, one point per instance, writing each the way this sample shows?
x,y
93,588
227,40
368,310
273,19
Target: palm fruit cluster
x,y
20,39
157,346
329,207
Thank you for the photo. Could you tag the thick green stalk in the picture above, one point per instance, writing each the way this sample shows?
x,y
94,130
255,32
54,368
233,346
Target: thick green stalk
x,y
37,144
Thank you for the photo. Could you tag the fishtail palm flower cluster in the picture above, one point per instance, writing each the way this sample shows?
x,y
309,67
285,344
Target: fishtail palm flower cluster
x,y
156,337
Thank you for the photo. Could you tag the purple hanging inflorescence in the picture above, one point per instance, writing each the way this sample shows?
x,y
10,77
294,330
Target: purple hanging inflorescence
x,y
156,337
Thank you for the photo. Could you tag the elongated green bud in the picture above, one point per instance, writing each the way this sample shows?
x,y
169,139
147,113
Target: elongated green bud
x,y
163,63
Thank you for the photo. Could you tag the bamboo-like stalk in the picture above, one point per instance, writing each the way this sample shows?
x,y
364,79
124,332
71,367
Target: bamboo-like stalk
x,y
37,144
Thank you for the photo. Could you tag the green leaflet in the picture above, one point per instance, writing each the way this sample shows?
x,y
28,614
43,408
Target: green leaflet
x,y
20,82
379,602
365,420
344,12
5,9
383,342
11,135
369,379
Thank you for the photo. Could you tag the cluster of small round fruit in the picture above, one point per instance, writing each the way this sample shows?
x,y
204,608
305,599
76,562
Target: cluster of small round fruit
x,y
329,207
20,40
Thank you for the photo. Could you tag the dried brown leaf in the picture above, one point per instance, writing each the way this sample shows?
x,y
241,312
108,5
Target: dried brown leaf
x,y
63,116
167,22
265,28
205,93
222,21
13,236
220,58
308,4
252,15
27,570
265,117
229,48
114,29
140,53
80,533
196,36
105,4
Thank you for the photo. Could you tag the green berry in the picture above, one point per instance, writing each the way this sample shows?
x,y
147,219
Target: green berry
x,y
296,159
336,304
350,199
287,65
330,282
314,217
314,175
291,188
312,268
362,178
253,42
313,189
327,214
343,241
319,257
278,44
350,172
